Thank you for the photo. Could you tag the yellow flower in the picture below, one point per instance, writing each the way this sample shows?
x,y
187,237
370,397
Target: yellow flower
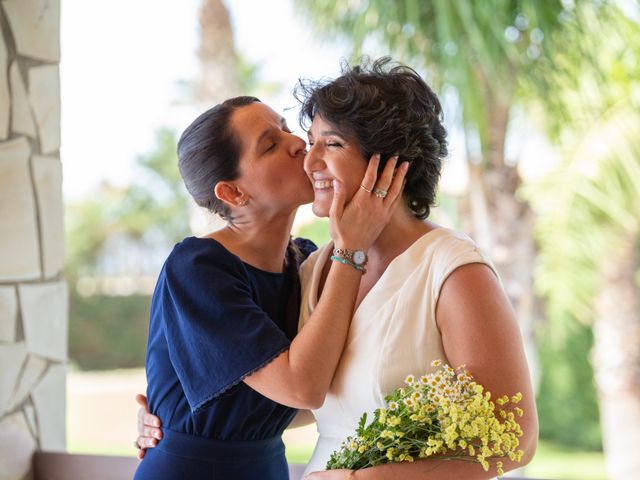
x,y
383,416
393,420
393,406
410,380
436,363
390,453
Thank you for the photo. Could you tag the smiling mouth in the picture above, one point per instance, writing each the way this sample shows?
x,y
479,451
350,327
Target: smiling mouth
x,y
323,185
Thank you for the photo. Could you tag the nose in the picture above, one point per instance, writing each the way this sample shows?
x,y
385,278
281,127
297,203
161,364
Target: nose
x,y
297,146
312,159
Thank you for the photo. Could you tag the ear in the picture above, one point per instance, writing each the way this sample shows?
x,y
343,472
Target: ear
x,y
229,193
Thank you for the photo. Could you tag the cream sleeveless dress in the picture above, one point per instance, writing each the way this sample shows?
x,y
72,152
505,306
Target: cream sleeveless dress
x,y
393,332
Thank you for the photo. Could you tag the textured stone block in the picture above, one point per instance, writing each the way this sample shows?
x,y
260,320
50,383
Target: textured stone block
x,y
44,95
11,358
49,401
8,314
30,417
31,373
17,447
19,251
21,118
47,172
5,104
44,316
36,27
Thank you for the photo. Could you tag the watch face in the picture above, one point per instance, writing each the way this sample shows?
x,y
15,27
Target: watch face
x,y
359,257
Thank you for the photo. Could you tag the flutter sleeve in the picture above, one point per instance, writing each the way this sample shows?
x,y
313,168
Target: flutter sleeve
x,y
216,333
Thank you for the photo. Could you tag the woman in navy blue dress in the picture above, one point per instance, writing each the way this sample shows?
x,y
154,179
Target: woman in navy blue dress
x,y
225,368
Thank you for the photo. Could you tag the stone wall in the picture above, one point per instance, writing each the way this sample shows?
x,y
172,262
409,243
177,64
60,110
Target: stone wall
x,y
33,294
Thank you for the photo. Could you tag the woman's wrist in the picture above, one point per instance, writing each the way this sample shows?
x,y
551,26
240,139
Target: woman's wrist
x,y
349,263
356,258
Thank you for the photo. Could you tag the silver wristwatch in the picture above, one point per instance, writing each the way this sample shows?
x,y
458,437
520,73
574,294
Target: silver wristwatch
x,y
358,257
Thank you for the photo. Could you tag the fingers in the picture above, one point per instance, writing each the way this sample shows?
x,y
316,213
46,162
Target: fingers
x,y
146,442
371,175
394,191
151,420
337,204
142,401
151,431
387,174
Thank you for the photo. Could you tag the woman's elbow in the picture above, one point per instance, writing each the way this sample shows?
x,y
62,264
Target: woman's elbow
x,y
310,399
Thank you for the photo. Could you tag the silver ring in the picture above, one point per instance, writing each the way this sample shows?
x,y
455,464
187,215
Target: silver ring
x,y
379,193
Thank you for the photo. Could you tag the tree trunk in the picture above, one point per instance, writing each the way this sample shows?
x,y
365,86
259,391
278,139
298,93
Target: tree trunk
x,y
502,224
217,53
218,81
616,359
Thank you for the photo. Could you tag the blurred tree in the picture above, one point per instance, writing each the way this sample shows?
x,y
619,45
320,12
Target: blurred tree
x,y
154,205
589,228
151,215
221,71
495,55
219,62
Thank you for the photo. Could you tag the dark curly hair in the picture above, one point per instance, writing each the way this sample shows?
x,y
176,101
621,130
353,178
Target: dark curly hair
x,y
387,108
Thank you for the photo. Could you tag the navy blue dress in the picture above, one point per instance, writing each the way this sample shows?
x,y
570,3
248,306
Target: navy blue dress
x,y
214,320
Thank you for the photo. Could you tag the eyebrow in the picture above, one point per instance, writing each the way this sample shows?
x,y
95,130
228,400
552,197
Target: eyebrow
x,y
326,133
268,131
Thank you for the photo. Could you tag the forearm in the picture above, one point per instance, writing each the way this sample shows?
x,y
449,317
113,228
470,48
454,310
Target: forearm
x,y
441,469
301,376
434,469
316,350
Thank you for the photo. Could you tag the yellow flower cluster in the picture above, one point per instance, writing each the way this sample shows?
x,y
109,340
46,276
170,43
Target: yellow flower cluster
x,y
444,414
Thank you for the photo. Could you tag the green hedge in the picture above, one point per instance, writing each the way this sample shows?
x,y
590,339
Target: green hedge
x,y
108,332
567,400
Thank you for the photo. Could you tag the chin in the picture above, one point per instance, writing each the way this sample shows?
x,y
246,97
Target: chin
x,y
320,209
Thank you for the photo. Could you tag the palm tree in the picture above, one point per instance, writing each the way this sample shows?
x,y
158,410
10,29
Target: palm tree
x,y
217,53
219,80
589,231
589,238
494,54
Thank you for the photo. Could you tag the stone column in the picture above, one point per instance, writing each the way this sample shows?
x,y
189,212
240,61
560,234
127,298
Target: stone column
x,y
33,294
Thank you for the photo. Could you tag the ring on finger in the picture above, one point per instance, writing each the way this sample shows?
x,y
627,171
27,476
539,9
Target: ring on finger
x,y
365,189
379,193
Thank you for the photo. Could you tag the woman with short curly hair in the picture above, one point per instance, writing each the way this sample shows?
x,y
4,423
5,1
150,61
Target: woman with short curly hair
x,y
429,293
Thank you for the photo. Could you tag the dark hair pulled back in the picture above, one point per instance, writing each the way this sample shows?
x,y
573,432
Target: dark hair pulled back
x,y
386,108
209,152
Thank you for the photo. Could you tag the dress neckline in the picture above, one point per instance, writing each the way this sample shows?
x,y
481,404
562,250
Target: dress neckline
x,y
252,267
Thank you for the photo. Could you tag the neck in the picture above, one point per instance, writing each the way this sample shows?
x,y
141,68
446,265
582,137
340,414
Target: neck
x,y
399,234
258,240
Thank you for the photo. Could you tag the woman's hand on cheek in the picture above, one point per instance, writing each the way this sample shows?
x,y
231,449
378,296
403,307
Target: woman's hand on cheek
x,y
358,223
